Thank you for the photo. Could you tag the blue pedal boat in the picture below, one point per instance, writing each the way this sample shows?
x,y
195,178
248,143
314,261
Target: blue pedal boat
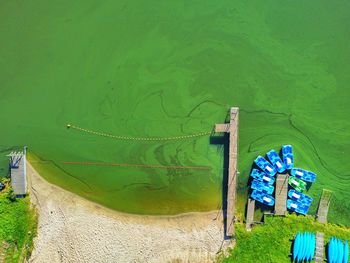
x,y
297,207
261,176
276,160
263,198
303,175
264,165
299,197
261,186
287,156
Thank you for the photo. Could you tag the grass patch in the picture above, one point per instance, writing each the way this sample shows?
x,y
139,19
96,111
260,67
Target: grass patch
x,y
272,241
18,227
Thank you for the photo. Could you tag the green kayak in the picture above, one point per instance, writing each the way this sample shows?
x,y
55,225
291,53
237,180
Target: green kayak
x,y
296,183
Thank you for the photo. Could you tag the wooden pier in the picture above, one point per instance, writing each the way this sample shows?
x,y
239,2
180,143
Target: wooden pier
x,y
281,193
232,129
18,172
319,253
250,214
323,207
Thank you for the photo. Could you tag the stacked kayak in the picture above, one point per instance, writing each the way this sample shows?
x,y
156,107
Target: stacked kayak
x,y
338,251
304,247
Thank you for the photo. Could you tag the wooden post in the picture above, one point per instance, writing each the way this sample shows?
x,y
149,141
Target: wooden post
x,y
250,214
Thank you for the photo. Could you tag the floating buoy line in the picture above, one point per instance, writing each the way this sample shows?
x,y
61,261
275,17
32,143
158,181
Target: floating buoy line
x,y
136,138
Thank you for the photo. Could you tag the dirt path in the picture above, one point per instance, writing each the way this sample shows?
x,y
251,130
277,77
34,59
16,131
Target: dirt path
x,y
72,229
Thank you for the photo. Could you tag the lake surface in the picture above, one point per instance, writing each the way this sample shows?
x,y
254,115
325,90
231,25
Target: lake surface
x,y
172,68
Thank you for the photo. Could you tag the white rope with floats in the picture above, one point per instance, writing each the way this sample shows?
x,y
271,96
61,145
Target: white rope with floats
x,y
136,138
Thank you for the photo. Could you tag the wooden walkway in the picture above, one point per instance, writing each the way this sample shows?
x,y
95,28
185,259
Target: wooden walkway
x,y
281,192
250,214
18,172
319,254
232,129
323,206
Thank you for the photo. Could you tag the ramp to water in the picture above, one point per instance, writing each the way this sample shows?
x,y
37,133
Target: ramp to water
x,y
323,207
281,192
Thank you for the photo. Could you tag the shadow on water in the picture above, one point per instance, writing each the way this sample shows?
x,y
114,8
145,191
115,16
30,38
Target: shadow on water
x,y
223,142
291,251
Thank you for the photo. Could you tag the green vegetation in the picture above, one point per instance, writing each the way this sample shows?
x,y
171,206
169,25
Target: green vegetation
x,y
272,241
18,223
169,68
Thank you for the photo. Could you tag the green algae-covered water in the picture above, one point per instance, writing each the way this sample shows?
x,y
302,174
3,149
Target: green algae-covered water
x,y
171,68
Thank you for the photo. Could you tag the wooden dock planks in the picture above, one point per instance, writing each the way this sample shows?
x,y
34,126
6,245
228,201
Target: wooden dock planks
x,y
319,253
232,129
232,172
323,207
18,177
281,193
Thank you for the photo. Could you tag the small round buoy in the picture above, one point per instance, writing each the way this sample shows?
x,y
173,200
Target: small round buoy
x,y
68,126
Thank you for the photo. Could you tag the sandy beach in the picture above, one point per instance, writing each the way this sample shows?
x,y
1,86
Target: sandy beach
x,y
72,229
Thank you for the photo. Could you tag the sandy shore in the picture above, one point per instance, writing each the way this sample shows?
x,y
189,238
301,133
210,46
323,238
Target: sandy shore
x,y
72,229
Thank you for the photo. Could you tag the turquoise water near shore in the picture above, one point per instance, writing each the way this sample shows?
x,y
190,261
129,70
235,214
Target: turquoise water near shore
x,y
150,68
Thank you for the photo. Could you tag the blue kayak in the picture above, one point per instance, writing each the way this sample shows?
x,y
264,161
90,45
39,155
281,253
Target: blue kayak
x,y
309,250
340,251
330,251
309,247
305,248
346,252
296,246
334,250
301,246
